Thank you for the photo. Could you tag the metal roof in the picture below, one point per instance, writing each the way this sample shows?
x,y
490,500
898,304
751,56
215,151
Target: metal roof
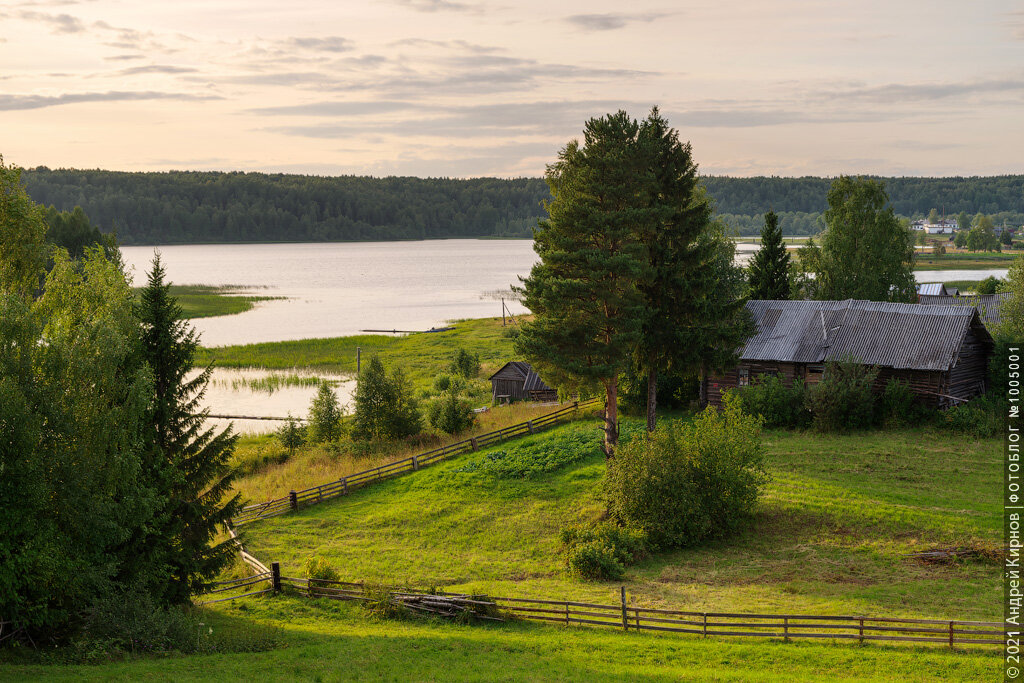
x,y
932,289
988,305
901,336
531,380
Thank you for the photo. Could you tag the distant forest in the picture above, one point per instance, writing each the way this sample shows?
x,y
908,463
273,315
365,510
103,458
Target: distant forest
x,y
196,207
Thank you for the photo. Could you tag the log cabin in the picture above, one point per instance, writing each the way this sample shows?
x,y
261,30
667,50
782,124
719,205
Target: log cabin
x,y
941,352
516,381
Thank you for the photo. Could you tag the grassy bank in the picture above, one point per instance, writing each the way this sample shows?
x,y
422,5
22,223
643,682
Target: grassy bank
x,y
206,301
829,536
331,641
965,261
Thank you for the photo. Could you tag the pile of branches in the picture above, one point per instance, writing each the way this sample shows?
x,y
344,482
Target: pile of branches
x,y
951,555
458,607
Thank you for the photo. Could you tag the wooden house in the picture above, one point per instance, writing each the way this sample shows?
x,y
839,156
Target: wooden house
x,y
516,381
942,352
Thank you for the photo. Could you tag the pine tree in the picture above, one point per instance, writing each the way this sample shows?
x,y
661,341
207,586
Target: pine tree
x,y
189,464
325,416
769,269
384,406
588,310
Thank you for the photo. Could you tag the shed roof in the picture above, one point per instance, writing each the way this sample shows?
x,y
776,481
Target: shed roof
x,y
988,305
932,289
901,336
531,380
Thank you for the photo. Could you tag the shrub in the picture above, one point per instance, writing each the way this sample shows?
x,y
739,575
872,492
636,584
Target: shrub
x,y
442,382
989,285
465,364
980,418
291,435
325,416
602,551
843,399
451,414
896,404
776,404
690,482
128,622
316,567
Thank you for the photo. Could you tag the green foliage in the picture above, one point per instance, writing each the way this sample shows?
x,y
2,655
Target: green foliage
x,y
126,622
896,405
291,435
317,567
989,285
777,405
979,418
23,249
690,482
769,268
843,399
72,231
325,413
865,253
187,465
451,414
602,551
960,239
384,406
465,364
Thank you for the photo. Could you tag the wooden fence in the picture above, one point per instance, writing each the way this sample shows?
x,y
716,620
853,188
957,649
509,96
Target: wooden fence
x,y
627,616
317,494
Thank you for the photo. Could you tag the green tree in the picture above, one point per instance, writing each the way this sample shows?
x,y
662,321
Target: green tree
x,y
933,216
23,248
960,240
963,222
865,254
290,435
325,415
769,269
451,414
1006,237
384,406
587,307
1011,312
189,464
982,235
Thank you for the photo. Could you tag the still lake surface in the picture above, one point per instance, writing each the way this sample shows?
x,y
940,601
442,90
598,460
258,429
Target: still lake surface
x,y
337,289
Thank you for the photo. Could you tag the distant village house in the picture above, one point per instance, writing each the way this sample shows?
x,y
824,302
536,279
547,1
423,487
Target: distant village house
x,y
940,351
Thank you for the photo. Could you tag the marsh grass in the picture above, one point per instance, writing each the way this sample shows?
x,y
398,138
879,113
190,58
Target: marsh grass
x,y
205,301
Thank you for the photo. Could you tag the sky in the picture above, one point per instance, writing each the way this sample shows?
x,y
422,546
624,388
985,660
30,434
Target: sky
x,y
462,88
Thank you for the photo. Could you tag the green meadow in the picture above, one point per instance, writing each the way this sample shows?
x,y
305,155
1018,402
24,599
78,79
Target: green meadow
x,y
206,301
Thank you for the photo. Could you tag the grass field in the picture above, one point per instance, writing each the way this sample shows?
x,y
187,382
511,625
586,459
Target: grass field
x,y
965,261
330,641
828,538
205,301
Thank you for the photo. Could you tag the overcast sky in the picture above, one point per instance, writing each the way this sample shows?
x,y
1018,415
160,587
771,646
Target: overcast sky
x,y
464,88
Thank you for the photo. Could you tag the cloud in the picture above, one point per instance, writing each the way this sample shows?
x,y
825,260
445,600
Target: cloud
x,y
612,21
437,6
59,23
122,58
335,108
328,44
1015,21
22,102
156,69
894,93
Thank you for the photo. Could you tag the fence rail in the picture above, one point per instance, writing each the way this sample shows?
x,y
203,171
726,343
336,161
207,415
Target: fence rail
x,y
631,617
317,494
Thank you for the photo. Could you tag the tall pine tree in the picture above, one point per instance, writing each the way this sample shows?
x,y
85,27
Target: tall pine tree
x,y
189,464
584,295
769,269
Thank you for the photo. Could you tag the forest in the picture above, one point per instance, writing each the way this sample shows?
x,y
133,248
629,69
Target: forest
x,y
196,207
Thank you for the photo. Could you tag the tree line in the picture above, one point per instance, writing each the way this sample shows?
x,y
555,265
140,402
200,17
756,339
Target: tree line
x,y
204,207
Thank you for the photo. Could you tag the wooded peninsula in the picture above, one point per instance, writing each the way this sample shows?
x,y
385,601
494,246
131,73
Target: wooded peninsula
x,y
204,207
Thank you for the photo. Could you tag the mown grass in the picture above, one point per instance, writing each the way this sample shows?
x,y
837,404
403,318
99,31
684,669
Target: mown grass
x,y
206,301
829,536
331,641
271,473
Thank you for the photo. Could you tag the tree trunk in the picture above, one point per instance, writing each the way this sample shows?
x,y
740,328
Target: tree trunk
x,y
652,399
611,417
702,395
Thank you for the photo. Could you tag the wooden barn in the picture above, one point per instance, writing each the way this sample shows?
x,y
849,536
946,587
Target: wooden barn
x,y
942,352
516,381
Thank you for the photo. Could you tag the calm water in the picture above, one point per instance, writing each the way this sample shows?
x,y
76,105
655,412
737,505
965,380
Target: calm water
x,y
337,289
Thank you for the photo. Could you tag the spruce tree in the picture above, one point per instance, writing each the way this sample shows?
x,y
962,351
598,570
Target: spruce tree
x,y
384,406
769,269
189,464
584,295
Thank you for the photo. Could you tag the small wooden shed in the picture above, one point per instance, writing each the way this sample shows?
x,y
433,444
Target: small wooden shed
x,y
516,381
941,352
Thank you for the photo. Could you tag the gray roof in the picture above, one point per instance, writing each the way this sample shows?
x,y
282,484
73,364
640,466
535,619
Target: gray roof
x,y
532,381
932,289
988,305
901,336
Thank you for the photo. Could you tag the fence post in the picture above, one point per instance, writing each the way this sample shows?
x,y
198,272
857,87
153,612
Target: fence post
x,y
785,629
529,425
472,442
567,614
622,598
344,486
415,462
705,614
293,498
275,576
951,634
862,630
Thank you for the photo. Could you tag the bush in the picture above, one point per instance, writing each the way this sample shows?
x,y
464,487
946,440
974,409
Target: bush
x,y
324,416
450,414
989,285
316,567
982,417
465,364
291,435
602,551
776,404
896,405
843,399
690,482
131,623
